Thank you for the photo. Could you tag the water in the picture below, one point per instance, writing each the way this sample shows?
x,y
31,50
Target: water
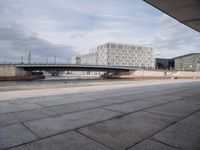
x,y
53,80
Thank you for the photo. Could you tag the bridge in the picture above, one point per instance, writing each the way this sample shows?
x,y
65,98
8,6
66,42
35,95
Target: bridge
x,y
55,69
72,67
24,70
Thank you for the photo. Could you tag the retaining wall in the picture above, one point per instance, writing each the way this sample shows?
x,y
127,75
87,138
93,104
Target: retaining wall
x,y
155,74
11,71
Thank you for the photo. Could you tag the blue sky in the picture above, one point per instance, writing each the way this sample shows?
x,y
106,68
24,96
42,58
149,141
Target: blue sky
x,y
65,28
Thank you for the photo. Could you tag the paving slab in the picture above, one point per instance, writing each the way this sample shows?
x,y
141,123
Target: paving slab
x,y
6,107
152,145
185,134
132,106
177,109
194,99
63,100
74,107
161,98
119,99
54,125
69,98
123,132
67,141
14,135
22,116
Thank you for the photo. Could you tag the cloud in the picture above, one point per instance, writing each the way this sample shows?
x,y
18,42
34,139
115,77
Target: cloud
x,y
174,39
67,27
16,43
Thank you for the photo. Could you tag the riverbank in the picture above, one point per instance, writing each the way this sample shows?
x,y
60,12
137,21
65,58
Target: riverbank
x,y
62,82
29,91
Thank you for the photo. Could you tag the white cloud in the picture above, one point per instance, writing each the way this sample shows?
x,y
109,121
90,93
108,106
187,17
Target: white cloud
x,y
174,38
78,26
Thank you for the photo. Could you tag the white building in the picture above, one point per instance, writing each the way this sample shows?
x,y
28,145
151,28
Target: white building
x,y
76,60
89,59
116,54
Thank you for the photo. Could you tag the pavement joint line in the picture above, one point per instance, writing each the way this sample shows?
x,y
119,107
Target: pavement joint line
x,y
95,91
96,100
94,139
32,141
161,114
105,104
188,102
50,107
54,116
102,107
89,125
23,99
39,105
166,144
113,110
99,107
147,92
30,130
61,132
76,129
173,123
128,113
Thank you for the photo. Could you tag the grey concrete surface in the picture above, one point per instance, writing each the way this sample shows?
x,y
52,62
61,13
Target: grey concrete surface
x,y
120,133
185,134
6,107
177,109
132,106
67,141
22,116
147,116
54,125
15,135
152,145
194,98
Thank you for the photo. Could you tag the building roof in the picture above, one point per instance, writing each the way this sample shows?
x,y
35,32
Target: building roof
x,y
137,45
185,11
164,58
190,54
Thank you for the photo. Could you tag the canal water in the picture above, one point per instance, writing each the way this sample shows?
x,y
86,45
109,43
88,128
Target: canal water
x,y
53,80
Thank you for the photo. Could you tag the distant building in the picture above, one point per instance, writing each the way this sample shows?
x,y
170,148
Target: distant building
x,y
117,54
89,59
76,60
164,63
189,62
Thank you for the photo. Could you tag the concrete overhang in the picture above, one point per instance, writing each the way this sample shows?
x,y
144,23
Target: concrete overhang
x,y
185,11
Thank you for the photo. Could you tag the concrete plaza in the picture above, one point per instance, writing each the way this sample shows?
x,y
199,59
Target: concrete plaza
x,y
162,116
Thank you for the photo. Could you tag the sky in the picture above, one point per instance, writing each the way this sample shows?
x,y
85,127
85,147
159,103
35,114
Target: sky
x,y
65,28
